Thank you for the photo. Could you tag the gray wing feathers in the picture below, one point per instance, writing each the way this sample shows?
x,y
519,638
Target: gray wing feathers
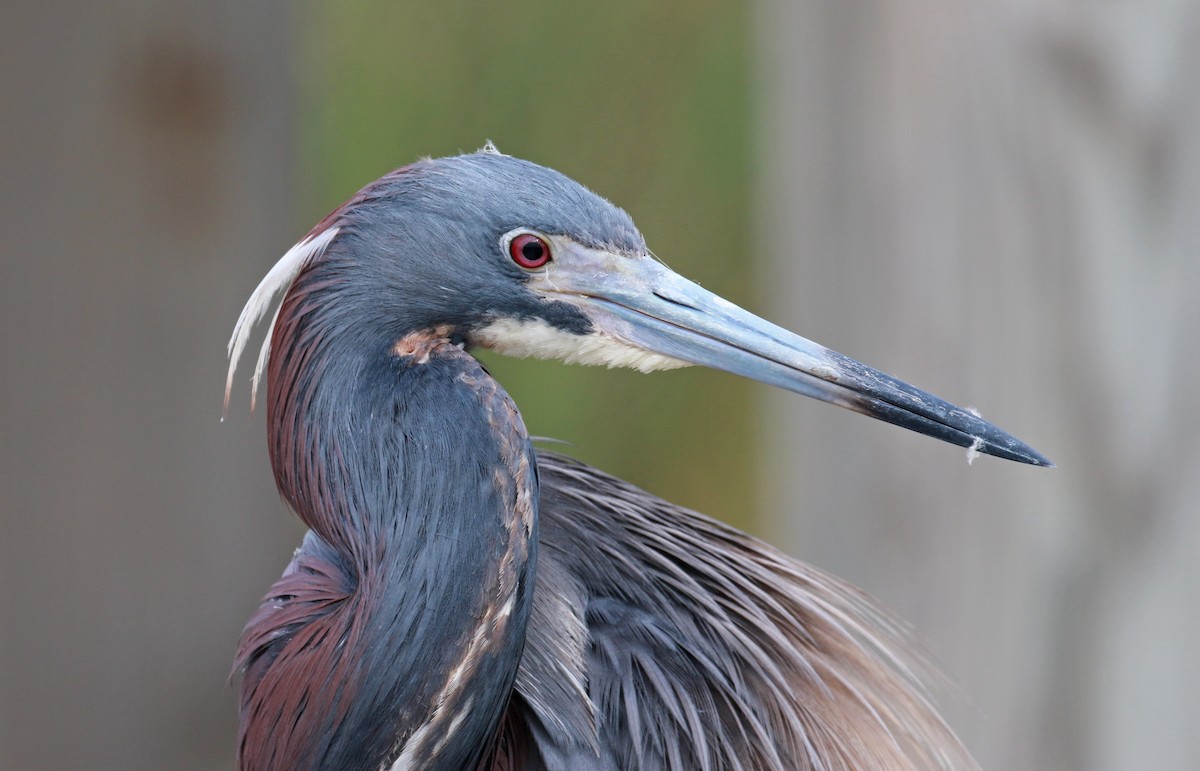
x,y
553,674
661,639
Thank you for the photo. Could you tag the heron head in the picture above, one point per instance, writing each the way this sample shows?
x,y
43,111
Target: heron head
x,y
496,252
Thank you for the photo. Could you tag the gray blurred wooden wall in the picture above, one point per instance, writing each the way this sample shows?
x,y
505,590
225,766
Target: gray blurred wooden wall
x,y
999,200
148,151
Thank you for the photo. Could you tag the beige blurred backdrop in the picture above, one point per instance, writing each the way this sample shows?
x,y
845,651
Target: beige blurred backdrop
x,y
998,201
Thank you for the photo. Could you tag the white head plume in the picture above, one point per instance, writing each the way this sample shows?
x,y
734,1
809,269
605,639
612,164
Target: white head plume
x,y
277,280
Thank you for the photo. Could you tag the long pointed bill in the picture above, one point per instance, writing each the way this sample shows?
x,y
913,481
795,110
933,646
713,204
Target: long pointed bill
x,y
640,302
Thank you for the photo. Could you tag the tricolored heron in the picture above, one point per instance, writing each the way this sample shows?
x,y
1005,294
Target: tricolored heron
x,y
464,601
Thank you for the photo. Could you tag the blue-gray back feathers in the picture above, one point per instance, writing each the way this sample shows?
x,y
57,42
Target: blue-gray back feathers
x,y
706,649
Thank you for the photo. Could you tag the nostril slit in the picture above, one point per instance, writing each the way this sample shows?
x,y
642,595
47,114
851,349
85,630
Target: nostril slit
x,y
673,301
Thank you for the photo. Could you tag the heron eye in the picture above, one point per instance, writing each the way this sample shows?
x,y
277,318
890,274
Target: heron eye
x,y
529,251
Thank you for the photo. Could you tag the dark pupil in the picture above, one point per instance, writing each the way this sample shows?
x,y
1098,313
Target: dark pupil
x,y
531,251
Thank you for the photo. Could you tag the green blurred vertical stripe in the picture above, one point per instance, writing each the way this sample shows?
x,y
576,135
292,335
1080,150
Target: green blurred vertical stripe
x,y
646,103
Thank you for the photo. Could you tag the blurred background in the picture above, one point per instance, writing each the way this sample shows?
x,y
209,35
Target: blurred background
x,y
997,200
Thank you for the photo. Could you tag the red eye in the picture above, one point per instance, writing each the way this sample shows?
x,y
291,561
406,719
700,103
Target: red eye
x,y
529,251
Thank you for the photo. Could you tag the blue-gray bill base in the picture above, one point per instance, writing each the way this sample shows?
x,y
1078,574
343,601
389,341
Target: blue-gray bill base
x,y
463,600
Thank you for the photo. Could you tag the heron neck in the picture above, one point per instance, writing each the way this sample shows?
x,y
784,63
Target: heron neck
x,y
415,467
